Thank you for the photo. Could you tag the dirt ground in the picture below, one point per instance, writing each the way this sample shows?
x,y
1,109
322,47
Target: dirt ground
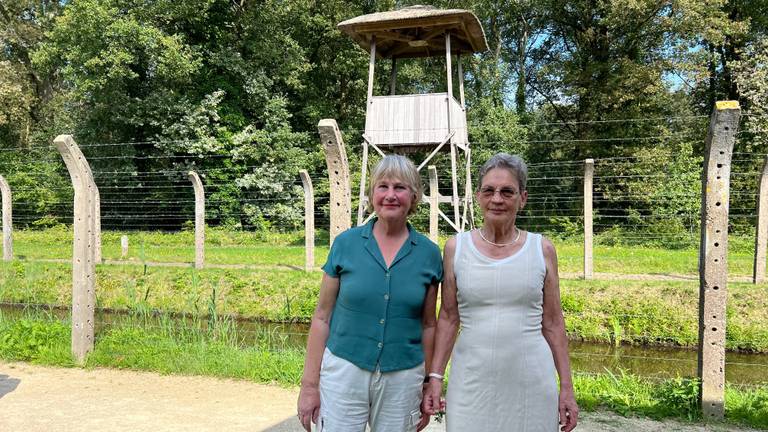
x,y
35,398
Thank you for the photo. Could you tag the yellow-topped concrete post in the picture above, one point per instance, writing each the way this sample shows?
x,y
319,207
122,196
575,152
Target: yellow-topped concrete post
x,y
713,256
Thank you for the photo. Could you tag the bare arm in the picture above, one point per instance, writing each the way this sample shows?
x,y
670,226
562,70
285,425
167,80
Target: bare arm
x,y
309,395
447,327
428,324
553,328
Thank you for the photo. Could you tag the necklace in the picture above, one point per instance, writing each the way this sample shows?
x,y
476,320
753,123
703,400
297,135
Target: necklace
x,y
517,237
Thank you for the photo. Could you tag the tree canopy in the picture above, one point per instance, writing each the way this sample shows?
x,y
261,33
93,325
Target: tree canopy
x,y
173,81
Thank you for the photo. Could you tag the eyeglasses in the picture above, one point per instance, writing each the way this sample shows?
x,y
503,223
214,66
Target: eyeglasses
x,y
505,192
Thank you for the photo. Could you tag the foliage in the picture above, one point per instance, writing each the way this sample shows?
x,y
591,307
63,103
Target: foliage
x,y
679,397
31,340
751,77
748,405
235,90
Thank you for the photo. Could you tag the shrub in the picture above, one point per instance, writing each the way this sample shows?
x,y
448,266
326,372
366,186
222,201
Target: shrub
x,y
27,339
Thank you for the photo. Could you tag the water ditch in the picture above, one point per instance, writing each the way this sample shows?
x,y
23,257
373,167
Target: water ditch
x,y
588,357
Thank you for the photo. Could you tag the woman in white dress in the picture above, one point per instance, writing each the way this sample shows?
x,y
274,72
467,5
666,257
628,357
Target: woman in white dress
x,y
501,287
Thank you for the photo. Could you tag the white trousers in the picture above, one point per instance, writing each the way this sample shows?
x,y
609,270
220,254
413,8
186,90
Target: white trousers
x,y
351,397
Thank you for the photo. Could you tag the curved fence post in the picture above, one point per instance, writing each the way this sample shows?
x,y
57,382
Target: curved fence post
x,y
309,221
761,231
433,202
83,247
589,172
5,191
199,219
713,256
96,203
338,176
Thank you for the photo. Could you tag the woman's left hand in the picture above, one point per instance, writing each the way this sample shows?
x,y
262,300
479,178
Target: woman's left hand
x,y
569,411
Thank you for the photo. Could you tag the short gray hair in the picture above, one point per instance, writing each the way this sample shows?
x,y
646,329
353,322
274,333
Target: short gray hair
x,y
514,163
401,168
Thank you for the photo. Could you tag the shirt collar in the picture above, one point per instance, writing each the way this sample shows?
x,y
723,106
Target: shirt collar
x,y
367,231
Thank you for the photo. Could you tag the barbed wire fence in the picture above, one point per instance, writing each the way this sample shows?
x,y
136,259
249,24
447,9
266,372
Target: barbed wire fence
x,y
639,200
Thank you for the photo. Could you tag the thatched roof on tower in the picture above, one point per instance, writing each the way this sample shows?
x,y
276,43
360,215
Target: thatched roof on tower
x,y
417,31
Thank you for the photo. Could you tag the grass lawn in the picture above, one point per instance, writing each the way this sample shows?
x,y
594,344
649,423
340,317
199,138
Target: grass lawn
x,y
270,249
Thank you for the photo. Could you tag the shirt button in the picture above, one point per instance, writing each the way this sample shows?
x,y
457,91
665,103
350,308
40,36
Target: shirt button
x,y
386,296
381,321
381,344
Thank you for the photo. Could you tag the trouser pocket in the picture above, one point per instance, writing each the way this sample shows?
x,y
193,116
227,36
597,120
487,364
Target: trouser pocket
x,y
413,420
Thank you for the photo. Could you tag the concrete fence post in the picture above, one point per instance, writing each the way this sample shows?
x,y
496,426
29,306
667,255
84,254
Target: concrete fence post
x,y
5,191
97,258
83,247
713,254
123,247
589,172
761,231
309,221
338,176
433,202
96,204
199,219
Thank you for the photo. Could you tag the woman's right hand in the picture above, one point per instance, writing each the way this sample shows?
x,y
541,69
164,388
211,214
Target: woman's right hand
x,y
309,405
430,403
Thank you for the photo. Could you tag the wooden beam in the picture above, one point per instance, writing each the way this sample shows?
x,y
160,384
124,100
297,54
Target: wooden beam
x,y
391,35
404,50
448,70
396,51
469,39
371,66
460,73
437,31
393,77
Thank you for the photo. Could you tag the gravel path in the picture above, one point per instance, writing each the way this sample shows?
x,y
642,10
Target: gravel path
x,y
35,398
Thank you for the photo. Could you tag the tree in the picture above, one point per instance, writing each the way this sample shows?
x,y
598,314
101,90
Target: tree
x,y
23,91
747,23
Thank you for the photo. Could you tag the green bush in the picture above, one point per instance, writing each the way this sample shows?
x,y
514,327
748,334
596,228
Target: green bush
x,y
747,406
678,397
31,340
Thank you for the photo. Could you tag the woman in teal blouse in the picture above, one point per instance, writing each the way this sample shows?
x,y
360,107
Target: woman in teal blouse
x,y
375,320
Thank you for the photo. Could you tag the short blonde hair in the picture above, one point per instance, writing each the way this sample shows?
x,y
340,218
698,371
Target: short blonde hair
x,y
401,168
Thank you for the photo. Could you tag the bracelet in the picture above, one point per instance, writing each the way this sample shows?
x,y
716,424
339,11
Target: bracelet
x,y
435,375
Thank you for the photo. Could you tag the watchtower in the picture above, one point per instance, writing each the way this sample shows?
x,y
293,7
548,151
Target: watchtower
x,y
431,122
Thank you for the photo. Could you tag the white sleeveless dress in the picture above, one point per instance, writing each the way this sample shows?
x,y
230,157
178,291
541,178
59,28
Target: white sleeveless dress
x,y
502,376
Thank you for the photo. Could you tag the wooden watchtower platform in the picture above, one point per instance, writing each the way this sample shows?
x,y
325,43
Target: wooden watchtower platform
x,y
430,122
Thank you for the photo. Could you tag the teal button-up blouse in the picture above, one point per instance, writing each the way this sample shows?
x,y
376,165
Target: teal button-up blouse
x,y
378,313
